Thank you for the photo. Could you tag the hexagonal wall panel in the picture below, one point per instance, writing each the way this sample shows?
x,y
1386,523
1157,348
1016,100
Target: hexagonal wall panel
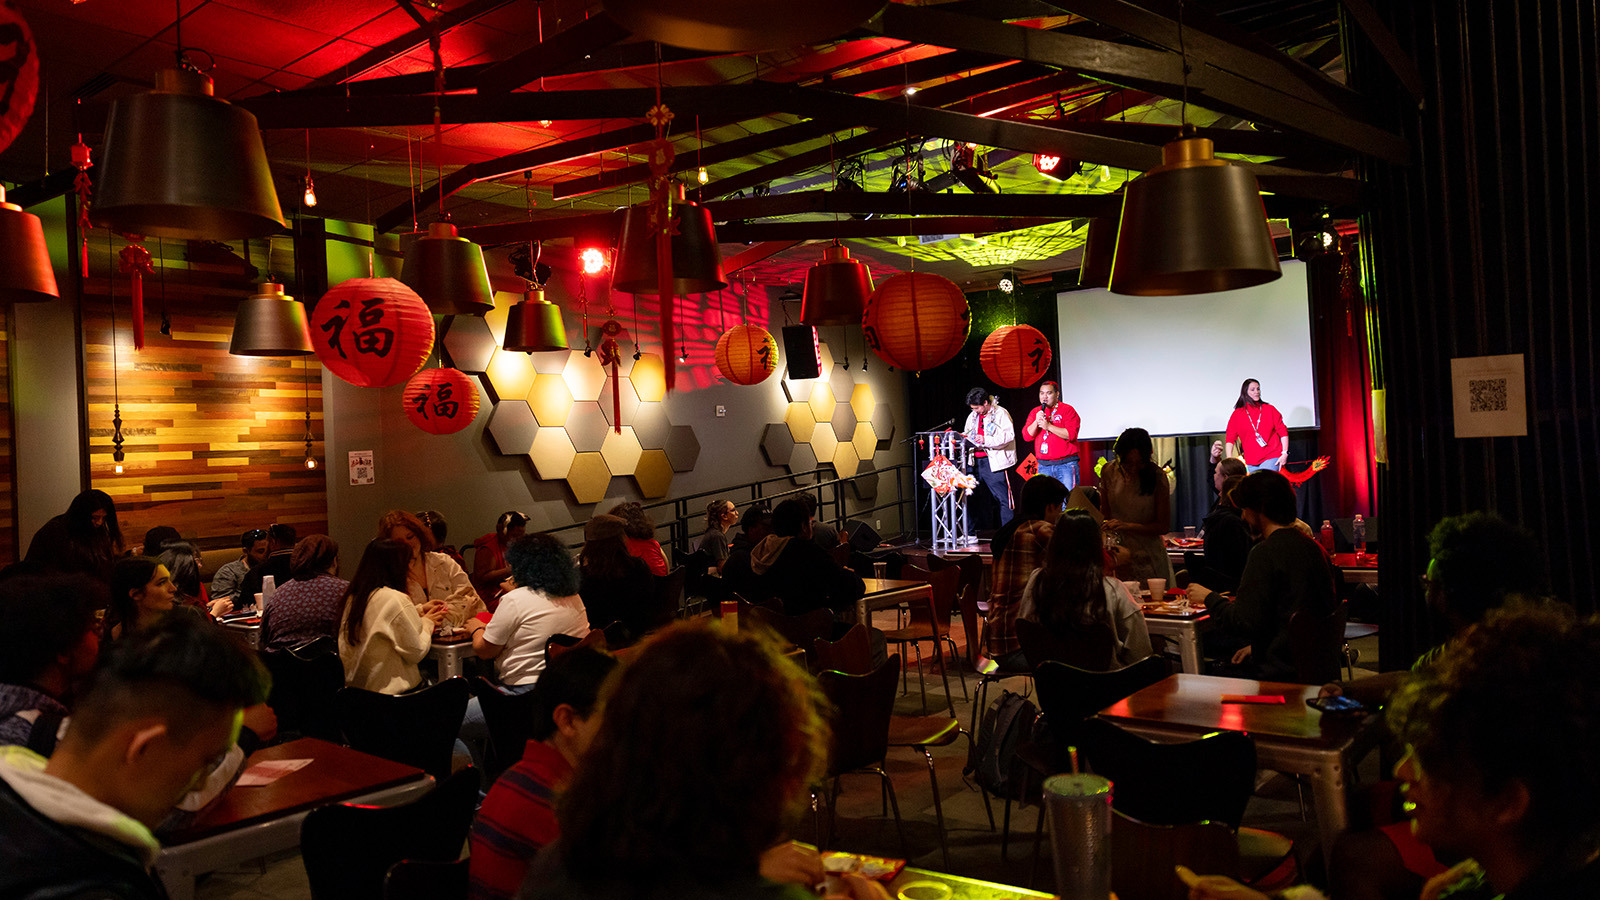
x,y
843,421
861,401
584,376
840,381
627,400
821,403
649,375
845,460
797,391
864,440
588,478
654,474
512,427
827,358
800,421
777,445
683,448
621,451
651,426
883,425
510,374
469,343
823,442
550,399
865,486
551,454
551,363
587,427
804,459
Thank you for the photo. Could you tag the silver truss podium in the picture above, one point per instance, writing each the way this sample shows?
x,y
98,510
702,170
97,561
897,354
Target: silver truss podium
x,y
949,511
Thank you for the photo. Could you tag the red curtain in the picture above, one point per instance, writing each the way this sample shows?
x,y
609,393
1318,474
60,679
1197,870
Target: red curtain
x,y
1344,383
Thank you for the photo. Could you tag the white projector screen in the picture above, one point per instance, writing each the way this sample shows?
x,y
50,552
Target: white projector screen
x,y
1173,365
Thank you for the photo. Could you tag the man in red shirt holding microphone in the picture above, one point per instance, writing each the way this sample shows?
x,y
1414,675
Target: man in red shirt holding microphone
x,y
1053,428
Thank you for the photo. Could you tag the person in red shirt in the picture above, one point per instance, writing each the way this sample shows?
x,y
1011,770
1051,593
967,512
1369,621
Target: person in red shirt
x,y
1256,431
1053,428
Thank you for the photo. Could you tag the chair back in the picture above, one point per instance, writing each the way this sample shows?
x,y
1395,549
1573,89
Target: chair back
x,y
418,729
1209,779
942,585
973,623
510,721
969,564
851,654
802,631
1143,856
862,706
1092,647
1316,642
418,879
348,848
1069,695
305,681
668,597
841,555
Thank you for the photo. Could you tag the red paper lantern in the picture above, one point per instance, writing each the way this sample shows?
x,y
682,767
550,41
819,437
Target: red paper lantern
x,y
372,332
747,354
916,321
1015,356
441,401
19,76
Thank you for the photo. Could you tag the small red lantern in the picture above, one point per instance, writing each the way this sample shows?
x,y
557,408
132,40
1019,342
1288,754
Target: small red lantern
x,y
441,401
916,321
747,354
372,332
1015,356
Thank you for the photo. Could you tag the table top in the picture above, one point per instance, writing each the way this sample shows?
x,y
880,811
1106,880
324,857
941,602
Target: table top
x,y
889,585
1349,561
1193,703
335,774
961,888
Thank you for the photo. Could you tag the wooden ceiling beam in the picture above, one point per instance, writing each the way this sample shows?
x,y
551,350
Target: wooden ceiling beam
x,y
570,45
916,203
875,228
407,42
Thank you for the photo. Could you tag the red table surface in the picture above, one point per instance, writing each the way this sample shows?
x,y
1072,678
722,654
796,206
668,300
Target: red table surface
x,y
1193,703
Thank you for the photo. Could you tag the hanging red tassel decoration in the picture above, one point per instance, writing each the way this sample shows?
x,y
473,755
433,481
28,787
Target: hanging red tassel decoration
x,y
662,192
83,186
135,263
611,355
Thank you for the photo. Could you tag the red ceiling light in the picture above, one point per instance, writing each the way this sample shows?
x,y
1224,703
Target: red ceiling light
x,y
594,260
1052,166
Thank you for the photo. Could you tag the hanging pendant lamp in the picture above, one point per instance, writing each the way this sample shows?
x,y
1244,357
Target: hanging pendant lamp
x,y
1097,253
1193,225
696,258
738,26
534,324
836,290
448,272
270,323
25,272
181,163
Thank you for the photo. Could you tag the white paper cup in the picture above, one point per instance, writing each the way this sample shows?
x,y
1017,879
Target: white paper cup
x,y
1133,588
1158,588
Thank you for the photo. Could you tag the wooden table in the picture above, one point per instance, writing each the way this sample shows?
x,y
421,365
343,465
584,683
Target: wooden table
x,y
250,822
450,656
1290,737
887,593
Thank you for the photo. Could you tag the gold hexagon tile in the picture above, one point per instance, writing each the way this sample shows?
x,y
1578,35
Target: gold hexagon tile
x,y
588,478
552,454
510,374
621,451
827,358
550,399
845,460
800,421
797,391
654,474
821,404
823,442
584,376
861,401
496,318
864,440
649,376
552,362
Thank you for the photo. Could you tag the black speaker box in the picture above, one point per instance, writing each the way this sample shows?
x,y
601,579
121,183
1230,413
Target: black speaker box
x,y
800,351
863,537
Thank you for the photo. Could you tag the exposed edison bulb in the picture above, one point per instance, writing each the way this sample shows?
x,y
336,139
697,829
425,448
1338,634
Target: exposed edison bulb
x,y
311,462
311,191
117,468
911,90
703,175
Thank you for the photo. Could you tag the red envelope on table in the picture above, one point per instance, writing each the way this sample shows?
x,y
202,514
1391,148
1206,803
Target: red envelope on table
x,y
1253,698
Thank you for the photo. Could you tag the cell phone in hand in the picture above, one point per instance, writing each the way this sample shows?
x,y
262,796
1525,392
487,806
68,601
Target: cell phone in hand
x,y
1335,706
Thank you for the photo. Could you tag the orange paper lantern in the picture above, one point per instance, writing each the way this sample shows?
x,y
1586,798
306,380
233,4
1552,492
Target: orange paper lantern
x,y
916,321
747,354
1015,356
372,332
441,401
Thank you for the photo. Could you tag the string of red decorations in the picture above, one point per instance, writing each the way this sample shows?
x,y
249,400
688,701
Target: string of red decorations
x,y
134,262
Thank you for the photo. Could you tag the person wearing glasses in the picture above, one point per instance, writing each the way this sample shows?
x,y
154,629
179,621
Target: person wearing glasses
x,y
226,582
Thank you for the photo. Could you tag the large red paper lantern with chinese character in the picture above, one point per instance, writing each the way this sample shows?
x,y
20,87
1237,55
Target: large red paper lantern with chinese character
x,y
372,332
441,401
19,76
916,321
1015,356
747,354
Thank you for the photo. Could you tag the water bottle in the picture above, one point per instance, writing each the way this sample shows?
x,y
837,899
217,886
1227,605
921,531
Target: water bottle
x,y
1327,535
1358,530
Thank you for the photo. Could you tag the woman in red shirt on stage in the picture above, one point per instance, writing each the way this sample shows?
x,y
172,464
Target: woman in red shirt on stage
x,y
1256,431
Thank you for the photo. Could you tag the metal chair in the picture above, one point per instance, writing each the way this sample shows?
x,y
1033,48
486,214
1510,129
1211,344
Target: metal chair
x,y
510,721
418,879
305,681
931,622
348,849
977,629
862,706
418,729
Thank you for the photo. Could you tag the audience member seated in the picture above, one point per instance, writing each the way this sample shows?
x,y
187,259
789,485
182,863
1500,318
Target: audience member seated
x,y
720,516
308,607
703,760
518,817
382,633
1018,549
1072,591
1226,541
226,581
430,575
754,525
822,533
48,647
489,568
788,565
616,586
440,529
545,603
1287,572
142,593
1500,730
281,539
85,539
183,563
158,712
640,532
158,537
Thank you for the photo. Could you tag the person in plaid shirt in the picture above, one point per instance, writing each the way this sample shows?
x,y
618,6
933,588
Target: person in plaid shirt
x,y
1018,550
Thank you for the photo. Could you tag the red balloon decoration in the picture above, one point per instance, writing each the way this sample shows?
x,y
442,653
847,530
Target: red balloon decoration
x,y
19,74
372,332
441,401
916,321
747,354
1015,356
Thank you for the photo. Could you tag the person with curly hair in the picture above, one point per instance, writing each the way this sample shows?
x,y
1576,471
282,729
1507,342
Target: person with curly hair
x,y
639,532
430,575
545,603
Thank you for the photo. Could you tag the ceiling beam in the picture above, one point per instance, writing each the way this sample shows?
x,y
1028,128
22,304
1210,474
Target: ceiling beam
x,y
851,228
1403,66
752,255
409,41
692,159
916,203
569,45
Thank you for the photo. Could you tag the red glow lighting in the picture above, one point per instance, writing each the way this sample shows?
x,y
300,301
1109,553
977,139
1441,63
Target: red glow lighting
x,y
1047,164
594,261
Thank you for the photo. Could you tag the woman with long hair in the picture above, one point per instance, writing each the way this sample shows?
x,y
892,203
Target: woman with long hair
x,y
616,586
489,566
639,534
382,634
183,562
142,593
430,575
720,516
1072,591
1256,431
1137,504
85,539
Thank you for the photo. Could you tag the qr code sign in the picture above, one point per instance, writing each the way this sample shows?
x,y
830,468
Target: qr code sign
x,y
1488,394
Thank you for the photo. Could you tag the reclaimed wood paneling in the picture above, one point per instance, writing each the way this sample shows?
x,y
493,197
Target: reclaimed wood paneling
x,y
8,472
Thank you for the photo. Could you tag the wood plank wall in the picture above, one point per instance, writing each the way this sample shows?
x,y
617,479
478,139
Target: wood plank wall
x,y
214,443
8,473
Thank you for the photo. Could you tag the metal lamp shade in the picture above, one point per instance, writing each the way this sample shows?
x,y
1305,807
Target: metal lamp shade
x,y
1192,225
448,272
534,325
696,258
740,26
1097,253
182,164
837,289
25,272
270,323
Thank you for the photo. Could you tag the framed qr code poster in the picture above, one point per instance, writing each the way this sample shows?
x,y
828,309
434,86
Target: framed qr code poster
x,y
1491,398
362,470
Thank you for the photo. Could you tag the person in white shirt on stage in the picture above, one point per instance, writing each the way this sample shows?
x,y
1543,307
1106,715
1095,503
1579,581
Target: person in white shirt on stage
x,y
989,428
